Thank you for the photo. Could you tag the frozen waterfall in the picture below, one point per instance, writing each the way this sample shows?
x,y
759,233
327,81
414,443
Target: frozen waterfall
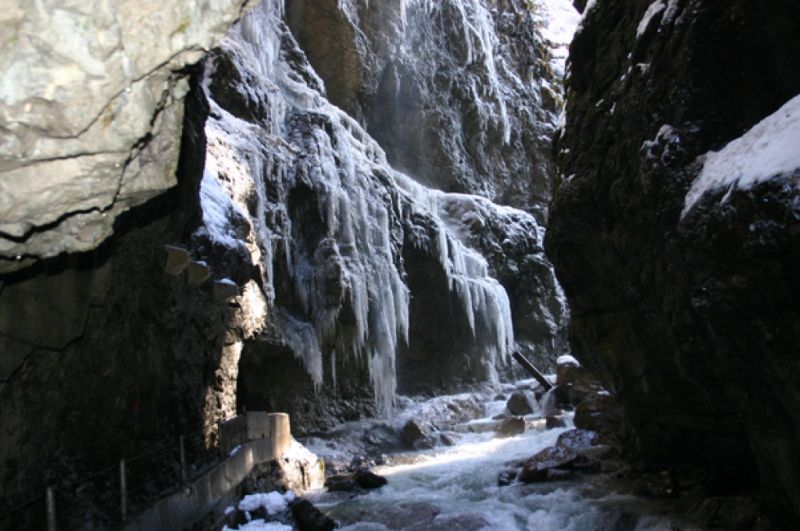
x,y
290,160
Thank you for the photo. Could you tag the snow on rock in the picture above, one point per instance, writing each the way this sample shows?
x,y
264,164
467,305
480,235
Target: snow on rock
x,y
261,525
272,502
656,8
666,137
672,10
566,359
590,6
768,150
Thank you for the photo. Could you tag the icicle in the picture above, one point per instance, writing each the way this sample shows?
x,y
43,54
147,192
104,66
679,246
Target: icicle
x,y
333,370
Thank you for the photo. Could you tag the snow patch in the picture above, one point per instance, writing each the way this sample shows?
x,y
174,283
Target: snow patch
x,y
220,214
655,8
667,135
590,6
273,502
671,13
261,525
566,359
769,149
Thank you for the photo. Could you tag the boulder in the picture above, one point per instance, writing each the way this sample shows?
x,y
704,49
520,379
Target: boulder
x,y
552,463
415,436
360,479
568,370
308,517
519,404
383,438
369,480
341,483
446,439
511,427
574,382
578,439
554,422
298,470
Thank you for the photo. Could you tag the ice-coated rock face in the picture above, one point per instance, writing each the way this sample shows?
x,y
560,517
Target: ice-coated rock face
x,y
675,229
462,94
90,114
363,266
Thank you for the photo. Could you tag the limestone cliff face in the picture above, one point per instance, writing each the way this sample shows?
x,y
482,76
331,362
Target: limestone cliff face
x,y
685,302
90,114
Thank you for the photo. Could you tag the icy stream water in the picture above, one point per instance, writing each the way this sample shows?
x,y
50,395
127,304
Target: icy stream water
x,y
450,488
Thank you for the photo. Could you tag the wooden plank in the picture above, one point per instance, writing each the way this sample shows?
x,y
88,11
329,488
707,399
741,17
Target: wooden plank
x,y
532,370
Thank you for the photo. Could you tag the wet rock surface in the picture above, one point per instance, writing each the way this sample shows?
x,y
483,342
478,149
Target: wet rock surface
x,y
688,316
310,518
556,463
510,427
415,436
361,479
519,404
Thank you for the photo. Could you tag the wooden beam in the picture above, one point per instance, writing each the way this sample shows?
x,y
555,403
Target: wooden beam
x,y
532,370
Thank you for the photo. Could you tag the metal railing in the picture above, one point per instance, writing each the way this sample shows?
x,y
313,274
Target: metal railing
x,y
109,497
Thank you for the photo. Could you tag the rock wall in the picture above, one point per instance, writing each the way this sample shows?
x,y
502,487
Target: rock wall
x,y
90,110
462,94
109,354
681,271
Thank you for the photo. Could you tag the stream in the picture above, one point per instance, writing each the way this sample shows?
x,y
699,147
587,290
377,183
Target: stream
x,y
456,487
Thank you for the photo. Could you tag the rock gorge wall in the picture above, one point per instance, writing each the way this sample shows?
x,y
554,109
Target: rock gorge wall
x,y
462,95
685,302
333,279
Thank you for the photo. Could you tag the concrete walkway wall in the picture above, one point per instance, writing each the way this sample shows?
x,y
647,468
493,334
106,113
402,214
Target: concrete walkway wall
x,y
217,487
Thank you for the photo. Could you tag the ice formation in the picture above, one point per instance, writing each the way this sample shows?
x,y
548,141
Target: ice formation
x,y
481,41
296,140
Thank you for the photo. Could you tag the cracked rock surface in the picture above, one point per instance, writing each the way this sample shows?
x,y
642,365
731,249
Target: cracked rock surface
x,y
90,107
